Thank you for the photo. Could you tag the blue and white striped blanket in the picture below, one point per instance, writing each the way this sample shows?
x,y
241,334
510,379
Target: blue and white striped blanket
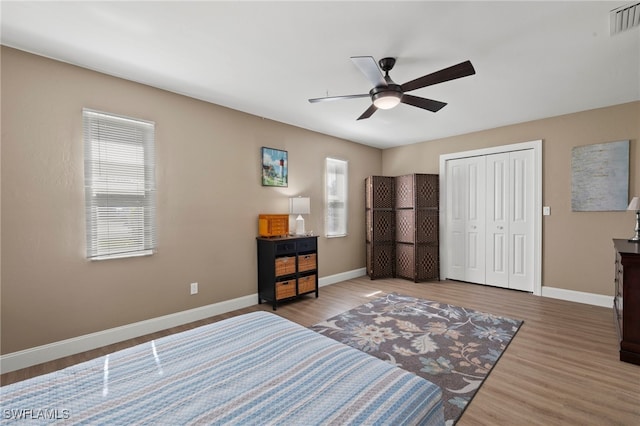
x,y
253,369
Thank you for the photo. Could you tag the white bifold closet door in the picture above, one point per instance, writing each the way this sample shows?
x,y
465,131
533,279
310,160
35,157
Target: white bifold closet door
x,y
490,219
466,219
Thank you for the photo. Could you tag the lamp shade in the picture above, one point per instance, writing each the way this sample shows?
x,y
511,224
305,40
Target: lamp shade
x,y
299,205
634,204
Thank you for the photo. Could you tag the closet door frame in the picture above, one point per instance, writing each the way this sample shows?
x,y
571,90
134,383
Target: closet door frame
x,y
536,146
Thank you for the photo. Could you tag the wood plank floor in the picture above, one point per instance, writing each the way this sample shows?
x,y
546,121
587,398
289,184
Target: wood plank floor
x,y
562,367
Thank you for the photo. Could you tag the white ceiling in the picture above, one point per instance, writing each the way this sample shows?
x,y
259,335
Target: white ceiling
x,y
532,59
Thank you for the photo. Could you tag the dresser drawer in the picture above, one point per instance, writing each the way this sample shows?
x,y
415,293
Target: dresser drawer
x,y
285,265
306,244
285,247
307,284
307,262
285,289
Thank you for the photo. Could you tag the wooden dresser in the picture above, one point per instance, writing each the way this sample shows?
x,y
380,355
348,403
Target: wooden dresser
x,y
626,304
287,268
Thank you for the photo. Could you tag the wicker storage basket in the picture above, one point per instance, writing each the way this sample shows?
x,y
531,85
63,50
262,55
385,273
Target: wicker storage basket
x,y
307,284
285,289
306,262
285,265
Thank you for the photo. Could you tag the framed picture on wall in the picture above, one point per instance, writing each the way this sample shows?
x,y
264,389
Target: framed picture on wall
x,y
275,167
600,177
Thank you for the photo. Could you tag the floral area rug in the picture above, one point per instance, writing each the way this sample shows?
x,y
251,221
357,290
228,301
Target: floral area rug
x,y
453,347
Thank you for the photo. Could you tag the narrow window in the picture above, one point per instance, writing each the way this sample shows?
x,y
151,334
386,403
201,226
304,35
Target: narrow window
x,y
119,171
336,198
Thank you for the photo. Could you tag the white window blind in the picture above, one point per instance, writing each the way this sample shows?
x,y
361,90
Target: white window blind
x,y
336,198
119,170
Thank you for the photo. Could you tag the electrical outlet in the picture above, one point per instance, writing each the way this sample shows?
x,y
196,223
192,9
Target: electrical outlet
x,y
546,211
194,288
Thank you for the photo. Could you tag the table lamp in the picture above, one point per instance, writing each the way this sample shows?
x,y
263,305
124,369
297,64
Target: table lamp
x,y
635,205
299,206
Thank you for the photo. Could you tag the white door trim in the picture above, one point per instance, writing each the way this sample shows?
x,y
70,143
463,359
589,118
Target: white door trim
x,y
536,145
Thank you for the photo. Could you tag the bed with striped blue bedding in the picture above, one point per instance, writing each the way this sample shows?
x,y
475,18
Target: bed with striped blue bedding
x,y
253,369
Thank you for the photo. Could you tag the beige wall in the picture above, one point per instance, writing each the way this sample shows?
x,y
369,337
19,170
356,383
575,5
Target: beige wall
x,y
209,196
577,247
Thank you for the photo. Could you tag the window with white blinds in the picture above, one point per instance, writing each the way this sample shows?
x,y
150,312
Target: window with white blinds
x,y
336,198
119,170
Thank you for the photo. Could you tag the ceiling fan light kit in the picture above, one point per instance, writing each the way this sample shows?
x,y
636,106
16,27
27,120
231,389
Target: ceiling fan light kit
x,y
386,98
386,94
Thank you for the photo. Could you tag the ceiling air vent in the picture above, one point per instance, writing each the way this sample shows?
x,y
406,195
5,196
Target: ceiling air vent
x,y
625,18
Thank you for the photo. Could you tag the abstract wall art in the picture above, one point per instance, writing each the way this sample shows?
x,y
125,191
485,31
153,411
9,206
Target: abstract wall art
x,y
600,177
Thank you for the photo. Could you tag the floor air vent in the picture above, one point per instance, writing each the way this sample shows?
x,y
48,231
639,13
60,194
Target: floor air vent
x,y
625,18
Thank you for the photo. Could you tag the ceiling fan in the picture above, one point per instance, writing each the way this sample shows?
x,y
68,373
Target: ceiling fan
x,y
386,94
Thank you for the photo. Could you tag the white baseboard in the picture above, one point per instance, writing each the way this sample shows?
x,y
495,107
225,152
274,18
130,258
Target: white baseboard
x,y
578,296
343,276
49,352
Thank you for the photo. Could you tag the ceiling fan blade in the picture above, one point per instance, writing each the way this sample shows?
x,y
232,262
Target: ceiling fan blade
x,y
338,98
368,113
369,68
462,69
424,103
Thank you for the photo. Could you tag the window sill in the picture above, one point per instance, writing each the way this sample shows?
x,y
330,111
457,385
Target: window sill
x,y
124,255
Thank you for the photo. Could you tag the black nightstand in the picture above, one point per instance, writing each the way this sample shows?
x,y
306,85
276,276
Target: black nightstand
x,y
287,268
